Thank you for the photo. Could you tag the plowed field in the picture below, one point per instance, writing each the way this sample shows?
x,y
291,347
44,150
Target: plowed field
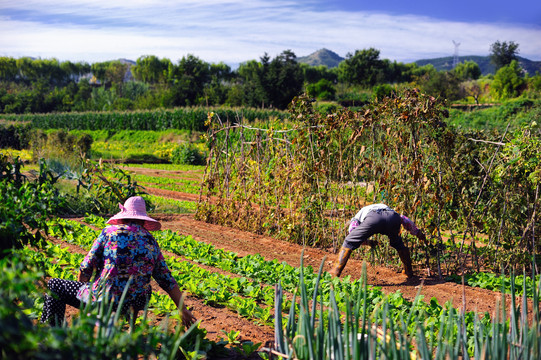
x,y
215,319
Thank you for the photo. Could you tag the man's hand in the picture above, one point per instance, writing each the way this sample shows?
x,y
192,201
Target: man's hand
x,y
421,236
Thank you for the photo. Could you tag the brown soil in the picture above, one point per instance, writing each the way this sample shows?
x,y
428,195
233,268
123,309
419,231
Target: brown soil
x,y
243,243
215,320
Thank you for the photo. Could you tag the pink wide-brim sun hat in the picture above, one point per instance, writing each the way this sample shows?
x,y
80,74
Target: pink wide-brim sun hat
x,y
135,208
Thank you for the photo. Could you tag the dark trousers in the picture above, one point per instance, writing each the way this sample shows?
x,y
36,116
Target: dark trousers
x,y
63,292
385,222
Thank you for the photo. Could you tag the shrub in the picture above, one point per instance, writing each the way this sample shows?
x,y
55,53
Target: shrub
x,y
15,136
381,91
322,90
187,154
25,204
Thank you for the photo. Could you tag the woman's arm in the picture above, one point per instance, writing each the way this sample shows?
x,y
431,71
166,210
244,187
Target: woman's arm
x,y
83,278
93,259
187,318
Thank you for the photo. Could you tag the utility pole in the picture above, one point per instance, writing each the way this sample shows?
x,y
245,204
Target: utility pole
x,y
455,57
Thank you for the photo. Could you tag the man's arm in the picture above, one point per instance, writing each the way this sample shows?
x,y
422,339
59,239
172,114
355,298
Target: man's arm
x,y
410,226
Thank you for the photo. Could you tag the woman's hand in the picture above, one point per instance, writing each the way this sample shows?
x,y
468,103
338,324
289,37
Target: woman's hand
x,y
82,277
187,317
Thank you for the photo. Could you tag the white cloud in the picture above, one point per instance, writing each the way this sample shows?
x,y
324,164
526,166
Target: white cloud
x,y
234,31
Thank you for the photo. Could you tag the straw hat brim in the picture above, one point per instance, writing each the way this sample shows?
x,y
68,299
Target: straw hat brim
x,y
150,223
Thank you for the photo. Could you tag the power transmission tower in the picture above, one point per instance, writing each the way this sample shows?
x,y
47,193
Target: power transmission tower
x,y
455,58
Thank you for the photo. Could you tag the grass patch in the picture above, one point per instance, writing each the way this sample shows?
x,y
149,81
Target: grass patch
x,y
171,206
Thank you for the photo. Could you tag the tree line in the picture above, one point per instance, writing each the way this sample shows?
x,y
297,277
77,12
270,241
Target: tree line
x,y
47,85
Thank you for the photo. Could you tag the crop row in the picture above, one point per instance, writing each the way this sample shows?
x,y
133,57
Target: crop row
x,y
183,185
173,205
194,169
239,294
158,120
273,272
331,290
496,282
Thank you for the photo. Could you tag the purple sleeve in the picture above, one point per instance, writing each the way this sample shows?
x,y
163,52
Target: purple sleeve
x,y
409,225
94,258
353,224
162,274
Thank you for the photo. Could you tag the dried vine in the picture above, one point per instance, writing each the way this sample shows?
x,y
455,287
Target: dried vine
x,y
303,182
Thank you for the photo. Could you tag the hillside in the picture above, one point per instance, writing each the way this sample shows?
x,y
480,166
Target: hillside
x,y
446,63
331,59
321,57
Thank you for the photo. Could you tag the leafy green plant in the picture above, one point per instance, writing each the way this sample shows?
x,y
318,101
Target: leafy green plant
x,y
308,334
97,333
232,336
169,183
187,154
26,204
247,348
500,282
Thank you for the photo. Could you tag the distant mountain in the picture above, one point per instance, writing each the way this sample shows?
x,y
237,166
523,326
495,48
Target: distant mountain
x,y
128,76
331,59
127,61
446,63
321,57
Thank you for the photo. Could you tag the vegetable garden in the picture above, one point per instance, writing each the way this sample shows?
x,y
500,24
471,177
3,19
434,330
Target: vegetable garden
x,y
254,230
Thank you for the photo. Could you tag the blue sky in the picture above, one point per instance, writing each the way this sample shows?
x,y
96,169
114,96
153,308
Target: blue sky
x,y
234,31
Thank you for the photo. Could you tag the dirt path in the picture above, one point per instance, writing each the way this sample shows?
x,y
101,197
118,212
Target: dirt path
x,y
216,319
243,243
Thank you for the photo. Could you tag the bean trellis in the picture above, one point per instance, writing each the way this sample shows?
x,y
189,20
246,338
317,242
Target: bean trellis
x,y
303,183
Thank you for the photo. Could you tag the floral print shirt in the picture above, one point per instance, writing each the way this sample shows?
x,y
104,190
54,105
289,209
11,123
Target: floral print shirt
x,y
120,252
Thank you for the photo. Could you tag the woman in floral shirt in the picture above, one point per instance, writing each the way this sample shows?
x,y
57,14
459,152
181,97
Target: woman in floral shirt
x,y
124,253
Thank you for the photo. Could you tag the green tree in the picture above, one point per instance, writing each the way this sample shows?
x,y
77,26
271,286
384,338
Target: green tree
x,y
362,68
395,72
472,88
322,90
8,69
150,69
283,79
312,74
110,72
73,71
250,89
187,80
534,82
271,83
502,53
215,91
443,84
468,70
507,81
